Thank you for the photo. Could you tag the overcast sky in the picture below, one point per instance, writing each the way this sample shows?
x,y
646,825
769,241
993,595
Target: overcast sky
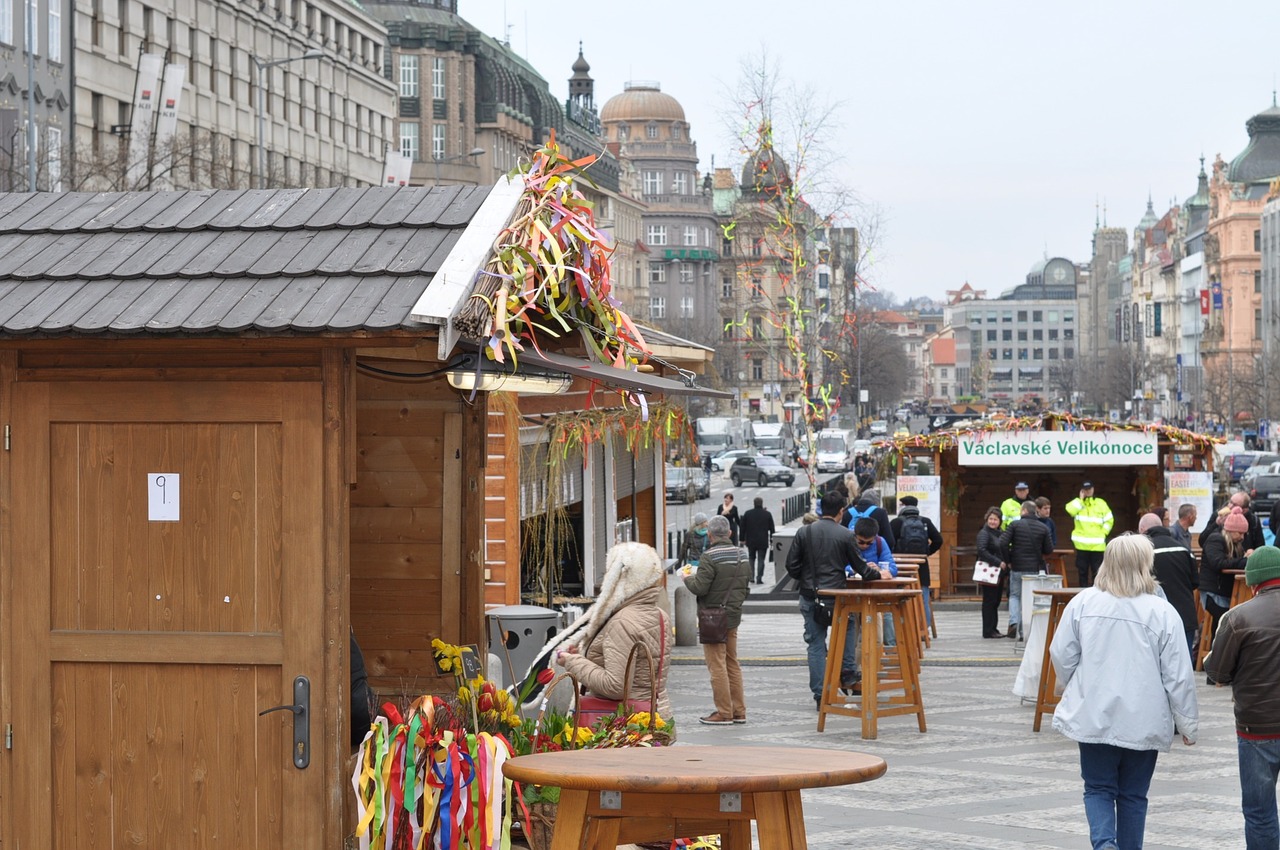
x,y
986,133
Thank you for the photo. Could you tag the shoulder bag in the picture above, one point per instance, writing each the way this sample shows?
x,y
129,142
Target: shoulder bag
x,y
713,620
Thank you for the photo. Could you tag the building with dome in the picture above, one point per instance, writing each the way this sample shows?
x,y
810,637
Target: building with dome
x,y
645,128
1233,335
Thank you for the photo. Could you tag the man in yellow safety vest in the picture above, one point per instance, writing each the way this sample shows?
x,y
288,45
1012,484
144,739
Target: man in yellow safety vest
x,y
1093,522
1011,508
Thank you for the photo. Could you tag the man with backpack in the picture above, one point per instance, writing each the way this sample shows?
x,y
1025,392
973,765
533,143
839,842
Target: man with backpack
x,y
916,535
868,505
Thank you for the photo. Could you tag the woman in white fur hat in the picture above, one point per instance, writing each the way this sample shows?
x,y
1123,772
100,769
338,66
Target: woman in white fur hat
x,y
626,611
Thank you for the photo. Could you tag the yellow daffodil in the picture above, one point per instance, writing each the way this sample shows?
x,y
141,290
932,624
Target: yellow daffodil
x,y
464,694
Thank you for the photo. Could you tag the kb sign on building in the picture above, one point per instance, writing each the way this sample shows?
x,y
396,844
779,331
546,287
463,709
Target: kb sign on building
x,y
1058,448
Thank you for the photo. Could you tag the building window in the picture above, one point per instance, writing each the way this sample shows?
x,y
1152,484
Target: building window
x,y
1037,354
726,247
408,75
657,272
6,22
686,306
677,132
1068,354
437,78
653,182
1069,316
651,131
657,234
1053,316
1257,241
1037,334
690,235
757,369
942,373
53,152
757,287
1006,354
1022,354
1257,317
1006,316
1006,335
1053,334
1257,278
1068,333
624,132
945,392
1022,336
991,336
726,287
1053,354
55,39
706,237
686,273
680,183
757,328
992,317
991,354
1022,315
657,307
1037,315
409,141
437,141
757,248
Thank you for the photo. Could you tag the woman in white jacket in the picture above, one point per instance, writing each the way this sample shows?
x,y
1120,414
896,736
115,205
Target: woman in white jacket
x,y
1121,653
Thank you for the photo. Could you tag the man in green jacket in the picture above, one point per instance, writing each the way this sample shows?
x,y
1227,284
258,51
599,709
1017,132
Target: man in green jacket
x,y
1011,508
1093,522
721,582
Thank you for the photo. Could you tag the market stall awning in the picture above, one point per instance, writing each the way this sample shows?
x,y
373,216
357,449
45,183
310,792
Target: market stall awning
x,y
645,382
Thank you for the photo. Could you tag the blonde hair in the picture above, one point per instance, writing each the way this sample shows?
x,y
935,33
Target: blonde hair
x,y
1127,566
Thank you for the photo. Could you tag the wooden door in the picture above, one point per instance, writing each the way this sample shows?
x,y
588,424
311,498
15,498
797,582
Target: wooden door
x,y
143,648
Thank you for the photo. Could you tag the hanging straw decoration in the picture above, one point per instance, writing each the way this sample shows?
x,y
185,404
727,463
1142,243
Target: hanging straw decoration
x,y
549,275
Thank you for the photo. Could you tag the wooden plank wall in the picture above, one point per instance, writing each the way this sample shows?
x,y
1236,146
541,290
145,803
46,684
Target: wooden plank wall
x,y
502,510
400,518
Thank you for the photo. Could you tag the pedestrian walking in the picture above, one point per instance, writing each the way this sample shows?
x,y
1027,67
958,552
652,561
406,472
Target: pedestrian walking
x,y
1026,542
989,550
757,530
729,511
695,540
1120,652
1176,570
721,582
1246,655
1093,522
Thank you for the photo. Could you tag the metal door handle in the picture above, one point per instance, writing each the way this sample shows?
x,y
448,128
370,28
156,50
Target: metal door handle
x,y
301,710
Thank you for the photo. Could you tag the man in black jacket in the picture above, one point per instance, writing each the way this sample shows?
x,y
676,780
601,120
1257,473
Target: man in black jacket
x,y
757,529
1246,656
817,560
1027,542
1177,572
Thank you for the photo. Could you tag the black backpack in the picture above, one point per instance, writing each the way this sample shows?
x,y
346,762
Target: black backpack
x,y
914,539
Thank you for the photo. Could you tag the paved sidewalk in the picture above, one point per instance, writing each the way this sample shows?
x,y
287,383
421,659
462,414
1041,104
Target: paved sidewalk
x,y
979,777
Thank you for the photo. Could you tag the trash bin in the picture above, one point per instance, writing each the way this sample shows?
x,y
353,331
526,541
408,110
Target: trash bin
x,y
781,546
516,633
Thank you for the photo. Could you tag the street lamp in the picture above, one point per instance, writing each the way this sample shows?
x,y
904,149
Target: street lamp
x,y
261,65
457,156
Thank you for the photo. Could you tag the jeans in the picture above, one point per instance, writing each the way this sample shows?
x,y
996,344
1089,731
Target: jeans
x,y
726,676
755,559
1015,597
1217,605
1115,794
1087,564
1259,766
815,637
991,594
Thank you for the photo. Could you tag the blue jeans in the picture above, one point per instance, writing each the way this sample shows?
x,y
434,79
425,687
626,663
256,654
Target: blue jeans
x,y
1015,597
1115,794
815,637
1259,766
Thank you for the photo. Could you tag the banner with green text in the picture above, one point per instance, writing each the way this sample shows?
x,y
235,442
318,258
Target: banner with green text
x,y
1057,448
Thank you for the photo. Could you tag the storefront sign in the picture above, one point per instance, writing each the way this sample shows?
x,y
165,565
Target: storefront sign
x,y
926,489
1193,488
1058,448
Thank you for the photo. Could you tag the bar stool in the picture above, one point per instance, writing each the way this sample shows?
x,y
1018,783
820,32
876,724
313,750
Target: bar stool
x,y
1046,699
912,571
1240,591
1206,639
868,603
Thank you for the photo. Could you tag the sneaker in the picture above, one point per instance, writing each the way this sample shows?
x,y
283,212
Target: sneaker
x,y
714,719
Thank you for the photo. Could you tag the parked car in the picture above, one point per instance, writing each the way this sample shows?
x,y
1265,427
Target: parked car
x,y
1264,493
1261,463
687,484
762,470
725,459
880,426
1237,463
901,431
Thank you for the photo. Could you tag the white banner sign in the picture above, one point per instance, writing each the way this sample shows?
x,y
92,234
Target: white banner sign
x,y
1058,448
927,489
140,124
167,126
1194,488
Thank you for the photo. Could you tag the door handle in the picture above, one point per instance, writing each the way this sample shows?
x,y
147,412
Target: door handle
x,y
301,710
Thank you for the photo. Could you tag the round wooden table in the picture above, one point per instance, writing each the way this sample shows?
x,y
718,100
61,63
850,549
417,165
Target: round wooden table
x,y
632,794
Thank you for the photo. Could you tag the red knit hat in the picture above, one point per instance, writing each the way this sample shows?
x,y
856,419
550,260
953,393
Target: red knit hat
x,y
1235,521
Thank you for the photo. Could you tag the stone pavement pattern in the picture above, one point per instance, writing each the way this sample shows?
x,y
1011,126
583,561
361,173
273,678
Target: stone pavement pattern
x,y
979,777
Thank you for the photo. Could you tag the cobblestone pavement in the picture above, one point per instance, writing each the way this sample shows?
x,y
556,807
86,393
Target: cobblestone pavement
x,y
979,777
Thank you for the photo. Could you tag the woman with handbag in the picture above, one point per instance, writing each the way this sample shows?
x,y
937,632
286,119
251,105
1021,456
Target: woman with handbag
x,y
720,585
596,649
990,552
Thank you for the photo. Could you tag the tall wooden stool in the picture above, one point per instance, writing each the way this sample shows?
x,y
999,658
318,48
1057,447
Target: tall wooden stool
x,y
868,604
1046,699
911,570
1240,591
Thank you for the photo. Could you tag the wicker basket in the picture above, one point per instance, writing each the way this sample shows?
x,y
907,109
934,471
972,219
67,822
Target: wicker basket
x,y
542,823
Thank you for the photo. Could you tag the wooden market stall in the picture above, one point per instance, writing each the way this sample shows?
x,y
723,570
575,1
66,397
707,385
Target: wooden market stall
x,y
977,468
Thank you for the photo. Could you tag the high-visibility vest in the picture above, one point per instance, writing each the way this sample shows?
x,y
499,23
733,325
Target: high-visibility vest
x,y
1093,522
1010,509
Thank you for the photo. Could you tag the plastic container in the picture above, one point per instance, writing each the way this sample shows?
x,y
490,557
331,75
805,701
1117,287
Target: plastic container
x,y
516,633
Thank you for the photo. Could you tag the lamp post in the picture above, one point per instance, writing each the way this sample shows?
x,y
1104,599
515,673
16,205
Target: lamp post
x,y
438,160
261,65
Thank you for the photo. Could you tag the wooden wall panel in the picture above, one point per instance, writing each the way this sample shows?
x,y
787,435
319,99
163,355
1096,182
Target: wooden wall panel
x,y
501,512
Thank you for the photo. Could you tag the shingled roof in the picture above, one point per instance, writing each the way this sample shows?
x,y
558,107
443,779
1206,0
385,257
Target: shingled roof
x,y
224,262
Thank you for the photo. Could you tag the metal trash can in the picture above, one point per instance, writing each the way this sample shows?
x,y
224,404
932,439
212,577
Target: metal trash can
x,y
781,545
516,633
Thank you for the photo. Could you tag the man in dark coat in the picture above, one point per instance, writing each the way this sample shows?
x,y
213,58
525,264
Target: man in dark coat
x,y
1177,571
757,530
1027,542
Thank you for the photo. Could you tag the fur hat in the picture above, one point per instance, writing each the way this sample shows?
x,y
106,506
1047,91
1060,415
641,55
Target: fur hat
x,y
1263,565
1148,522
629,568
1235,521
